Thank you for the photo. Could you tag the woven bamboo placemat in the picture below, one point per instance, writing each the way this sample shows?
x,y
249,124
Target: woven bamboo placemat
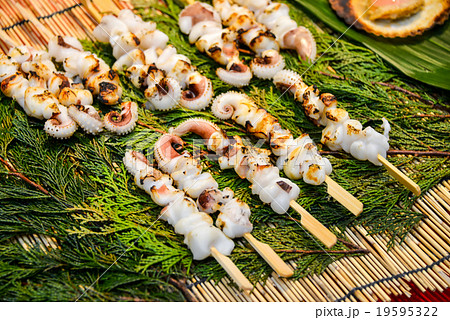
x,y
423,258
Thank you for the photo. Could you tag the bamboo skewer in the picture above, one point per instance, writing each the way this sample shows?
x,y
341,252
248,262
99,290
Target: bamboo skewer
x,y
409,254
400,176
270,256
103,6
314,226
232,270
343,196
94,13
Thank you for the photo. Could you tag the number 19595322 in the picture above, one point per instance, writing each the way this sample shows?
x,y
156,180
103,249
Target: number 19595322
x,y
406,311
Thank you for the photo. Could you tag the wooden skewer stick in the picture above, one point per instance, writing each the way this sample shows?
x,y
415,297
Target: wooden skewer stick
x,y
94,13
270,256
314,226
232,271
103,6
343,196
400,176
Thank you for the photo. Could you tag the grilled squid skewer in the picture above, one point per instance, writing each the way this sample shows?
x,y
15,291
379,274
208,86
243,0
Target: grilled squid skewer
x,y
202,238
98,77
298,158
275,16
69,93
36,101
242,22
233,218
204,27
254,165
341,132
167,77
42,74
46,86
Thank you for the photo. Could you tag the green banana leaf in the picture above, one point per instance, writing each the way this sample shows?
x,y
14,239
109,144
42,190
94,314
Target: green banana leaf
x,y
425,58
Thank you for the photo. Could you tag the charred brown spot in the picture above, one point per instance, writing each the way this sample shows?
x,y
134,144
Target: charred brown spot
x,y
152,68
326,139
352,130
269,34
177,146
312,172
162,87
240,32
214,49
141,81
262,167
283,185
107,86
309,146
328,99
66,94
248,125
95,68
238,67
64,81
112,75
62,43
310,109
80,107
266,60
315,89
331,117
5,83
43,96
107,93
256,40
260,38
136,40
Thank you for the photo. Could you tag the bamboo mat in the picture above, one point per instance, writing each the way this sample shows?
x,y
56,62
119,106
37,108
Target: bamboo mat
x,y
423,258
